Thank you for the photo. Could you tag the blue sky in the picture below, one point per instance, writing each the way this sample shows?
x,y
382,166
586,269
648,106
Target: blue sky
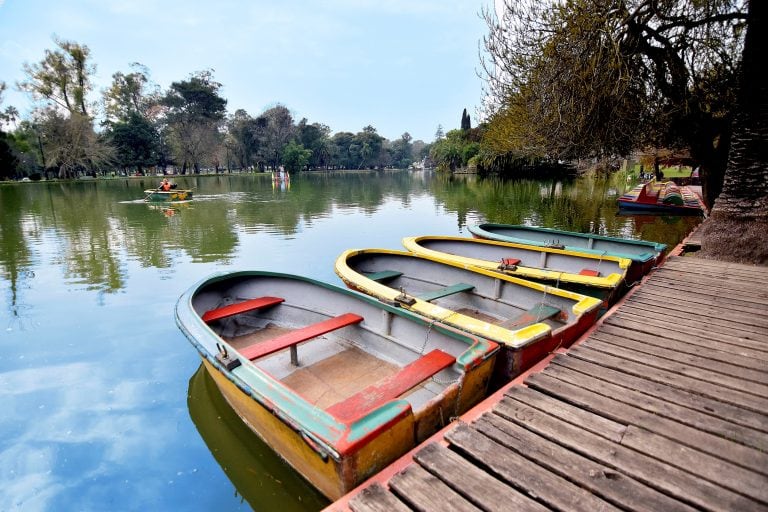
x,y
399,65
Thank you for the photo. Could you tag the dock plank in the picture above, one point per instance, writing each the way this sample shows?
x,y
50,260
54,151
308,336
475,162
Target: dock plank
x,y
685,398
472,482
673,481
421,490
603,481
697,301
376,498
630,415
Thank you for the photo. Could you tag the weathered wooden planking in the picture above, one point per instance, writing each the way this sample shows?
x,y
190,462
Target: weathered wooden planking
x,y
723,355
684,309
376,498
694,318
732,396
694,324
630,414
698,371
699,265
685,398
703,421
523,474
715,470
698,301
673,481
474,484
421,490
711,287
741,347
605,482
755,348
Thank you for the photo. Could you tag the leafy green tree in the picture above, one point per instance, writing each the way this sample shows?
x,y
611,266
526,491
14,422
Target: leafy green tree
x,y
402,151
279,130
296,156
466,124
136,142
315,137
600,77
370,144
9,163
131,94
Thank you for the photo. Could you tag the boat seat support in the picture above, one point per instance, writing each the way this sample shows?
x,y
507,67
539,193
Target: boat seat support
x,y
241,307
391,387
534,315
293,338
384,275
444,292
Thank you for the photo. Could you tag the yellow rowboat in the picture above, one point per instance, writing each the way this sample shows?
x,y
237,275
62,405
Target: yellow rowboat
x,y
599,275
528,319
336,383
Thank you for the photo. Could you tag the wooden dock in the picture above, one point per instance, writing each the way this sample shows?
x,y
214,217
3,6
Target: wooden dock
x,y
663,406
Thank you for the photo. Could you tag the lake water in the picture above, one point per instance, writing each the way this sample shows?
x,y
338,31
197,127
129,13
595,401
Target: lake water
x,y
103,403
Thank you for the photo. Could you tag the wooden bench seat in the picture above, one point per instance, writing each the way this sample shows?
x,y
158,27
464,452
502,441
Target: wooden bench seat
x,y
291,339
384,275
448,290
391,387
240,307
536,314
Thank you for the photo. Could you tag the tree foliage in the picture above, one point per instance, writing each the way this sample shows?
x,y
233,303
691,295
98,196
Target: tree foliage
x,y
591,77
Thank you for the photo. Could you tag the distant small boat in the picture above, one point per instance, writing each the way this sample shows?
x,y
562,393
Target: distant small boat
x,y
662,197
601,276
644,254
335,382
168,196
528,319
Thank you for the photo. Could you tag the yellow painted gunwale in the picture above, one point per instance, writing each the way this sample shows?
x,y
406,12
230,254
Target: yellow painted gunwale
x,y
612,280
511,338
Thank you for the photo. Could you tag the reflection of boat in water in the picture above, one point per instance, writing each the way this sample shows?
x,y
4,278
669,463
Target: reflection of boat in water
x,y
168,195
337,383
264,480
662,197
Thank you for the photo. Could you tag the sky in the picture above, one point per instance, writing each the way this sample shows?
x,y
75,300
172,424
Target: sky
x,y
398,65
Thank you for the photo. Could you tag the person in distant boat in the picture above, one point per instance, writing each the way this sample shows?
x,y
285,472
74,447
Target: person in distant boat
x,y
165,185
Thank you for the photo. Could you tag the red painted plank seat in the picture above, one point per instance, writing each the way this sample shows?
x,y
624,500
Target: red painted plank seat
x,y
391,387
590,273
291,339
536,314
509,263
240,307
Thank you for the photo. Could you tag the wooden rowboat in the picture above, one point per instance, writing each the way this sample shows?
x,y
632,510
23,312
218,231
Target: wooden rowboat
x,y
644,254
168,196
528,319
337,383
599,276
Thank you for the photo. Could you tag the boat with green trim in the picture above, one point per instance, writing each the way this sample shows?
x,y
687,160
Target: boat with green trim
x,y
527,319
168,195
644,254
601,276
335,382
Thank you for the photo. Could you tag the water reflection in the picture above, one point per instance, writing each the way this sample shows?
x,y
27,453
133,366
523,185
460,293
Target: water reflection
x,y
94,374
259,476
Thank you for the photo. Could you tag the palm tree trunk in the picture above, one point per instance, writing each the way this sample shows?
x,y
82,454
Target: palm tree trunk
x,y
737,229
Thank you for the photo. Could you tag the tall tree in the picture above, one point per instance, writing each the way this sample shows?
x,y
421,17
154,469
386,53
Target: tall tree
x,y
465,122
195,111
63,77
738,227
131,93
279,131
592,77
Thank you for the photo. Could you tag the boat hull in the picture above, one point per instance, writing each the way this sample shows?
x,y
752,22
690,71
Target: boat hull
x,y
598,276
492,308
334,446
161,196
663,198
643,254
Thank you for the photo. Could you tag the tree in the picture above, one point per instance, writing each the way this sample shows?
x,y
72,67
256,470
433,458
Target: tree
x,y
8,161
195,111
439,132
63,77
130,94
136,142
402,151
279,130
465,122
598,77
315,137
737,229
295,156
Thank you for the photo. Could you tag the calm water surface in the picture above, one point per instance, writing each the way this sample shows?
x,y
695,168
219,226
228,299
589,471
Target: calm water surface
x,y
103,403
